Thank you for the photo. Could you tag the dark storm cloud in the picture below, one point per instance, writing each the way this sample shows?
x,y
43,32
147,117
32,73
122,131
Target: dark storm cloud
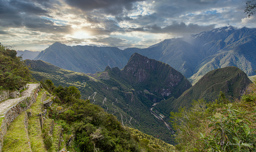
x,y
23,6
46,3
107,6
21,13
175,28
43,25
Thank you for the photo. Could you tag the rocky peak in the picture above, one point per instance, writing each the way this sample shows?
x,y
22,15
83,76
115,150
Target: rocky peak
x,y
154,76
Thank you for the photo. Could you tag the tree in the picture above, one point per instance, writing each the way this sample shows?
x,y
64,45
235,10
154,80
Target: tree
x,y
250,7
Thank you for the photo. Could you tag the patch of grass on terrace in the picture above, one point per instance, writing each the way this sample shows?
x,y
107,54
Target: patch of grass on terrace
x,y
16,138
34,128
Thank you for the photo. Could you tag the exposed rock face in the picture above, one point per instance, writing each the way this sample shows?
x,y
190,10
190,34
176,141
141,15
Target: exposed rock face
x,y
157,77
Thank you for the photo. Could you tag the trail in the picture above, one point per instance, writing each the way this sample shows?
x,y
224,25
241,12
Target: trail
x,y
160,118
9,103
104,100
122,119
130,121
93,97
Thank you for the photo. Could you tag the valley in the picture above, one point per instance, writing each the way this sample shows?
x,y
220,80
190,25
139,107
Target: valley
x,y
145,91
127,76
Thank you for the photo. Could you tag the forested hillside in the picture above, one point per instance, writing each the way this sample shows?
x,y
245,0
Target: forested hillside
x,y
224,125
13,72
231,81
128,94
58,120
92,129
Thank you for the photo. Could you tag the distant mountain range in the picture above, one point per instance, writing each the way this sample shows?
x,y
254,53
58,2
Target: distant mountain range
x,y
193,56
27,54
145,91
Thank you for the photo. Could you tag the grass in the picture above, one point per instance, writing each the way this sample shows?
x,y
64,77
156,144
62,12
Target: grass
x,y
1,120
16,138
154,144
47,135
34,129
56,134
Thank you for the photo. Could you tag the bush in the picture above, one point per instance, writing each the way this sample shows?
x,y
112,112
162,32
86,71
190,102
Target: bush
x,y
13,72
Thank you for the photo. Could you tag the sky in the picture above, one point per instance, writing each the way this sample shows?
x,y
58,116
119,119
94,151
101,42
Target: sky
x,y
36,24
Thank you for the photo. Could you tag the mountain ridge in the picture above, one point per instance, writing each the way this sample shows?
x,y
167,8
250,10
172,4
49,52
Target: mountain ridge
x,y
193,56
125,94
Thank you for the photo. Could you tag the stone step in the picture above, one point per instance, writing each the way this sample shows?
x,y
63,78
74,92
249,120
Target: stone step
x,y
16,138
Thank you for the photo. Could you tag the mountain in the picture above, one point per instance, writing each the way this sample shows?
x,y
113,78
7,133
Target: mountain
x,y
43,117
128,93
224,47
27,54
230,80
178,53
193,56
86,59
206,51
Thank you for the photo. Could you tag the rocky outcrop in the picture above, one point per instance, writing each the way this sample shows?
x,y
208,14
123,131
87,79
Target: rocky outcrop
x,y
157,77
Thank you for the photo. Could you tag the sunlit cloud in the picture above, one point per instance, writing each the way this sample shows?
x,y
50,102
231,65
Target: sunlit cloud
x,y
36,24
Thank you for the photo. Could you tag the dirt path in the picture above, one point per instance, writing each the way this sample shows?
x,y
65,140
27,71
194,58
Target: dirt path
x,y
4,106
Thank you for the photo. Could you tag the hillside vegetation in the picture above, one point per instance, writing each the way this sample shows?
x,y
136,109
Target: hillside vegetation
x,y
223,125
92,128
231,81
13,72
128,93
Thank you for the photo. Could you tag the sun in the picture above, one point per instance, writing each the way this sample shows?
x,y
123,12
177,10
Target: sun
x,y
81,34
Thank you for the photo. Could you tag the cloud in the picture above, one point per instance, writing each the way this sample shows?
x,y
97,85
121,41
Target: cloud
x,y
110,41
175,28
121,23
26,7
107,6
3,32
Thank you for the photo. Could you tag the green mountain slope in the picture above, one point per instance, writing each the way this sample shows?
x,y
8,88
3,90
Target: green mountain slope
x,y
230,80
57,119
219,126
129,93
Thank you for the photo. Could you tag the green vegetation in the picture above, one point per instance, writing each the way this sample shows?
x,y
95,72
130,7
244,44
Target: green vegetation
x,y
86,127
42,71
13,72
34,127
56,138
230,80
129,103
150,143
217,126
16,138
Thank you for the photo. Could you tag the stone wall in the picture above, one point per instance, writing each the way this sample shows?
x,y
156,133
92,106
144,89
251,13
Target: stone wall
x,y
14,112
